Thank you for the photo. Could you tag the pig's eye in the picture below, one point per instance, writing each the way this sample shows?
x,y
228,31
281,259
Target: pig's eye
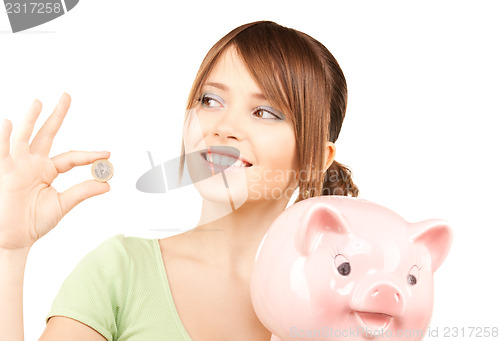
x,y
344,269
342,264
413,275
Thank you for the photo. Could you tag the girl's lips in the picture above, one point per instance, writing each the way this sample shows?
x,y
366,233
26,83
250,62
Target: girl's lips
x,y
228,151
216,168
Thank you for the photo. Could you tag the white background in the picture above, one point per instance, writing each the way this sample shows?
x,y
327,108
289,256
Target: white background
x,y
420,135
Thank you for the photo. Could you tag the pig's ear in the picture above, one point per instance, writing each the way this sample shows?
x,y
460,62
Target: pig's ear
x,y
317,220
436,236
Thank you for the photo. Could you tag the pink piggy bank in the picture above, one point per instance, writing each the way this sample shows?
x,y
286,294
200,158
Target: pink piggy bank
x,y
343,268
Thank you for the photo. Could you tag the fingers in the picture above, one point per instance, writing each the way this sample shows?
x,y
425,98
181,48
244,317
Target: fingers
x,y
21,139
5,131
76,194
42,143
66,161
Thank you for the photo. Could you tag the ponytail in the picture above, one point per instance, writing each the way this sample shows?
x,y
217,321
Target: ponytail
x,y
338,181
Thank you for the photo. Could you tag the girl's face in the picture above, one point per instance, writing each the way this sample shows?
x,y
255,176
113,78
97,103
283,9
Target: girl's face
x,y
232,111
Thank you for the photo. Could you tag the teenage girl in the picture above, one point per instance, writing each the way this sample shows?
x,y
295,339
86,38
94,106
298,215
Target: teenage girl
x,y
275,94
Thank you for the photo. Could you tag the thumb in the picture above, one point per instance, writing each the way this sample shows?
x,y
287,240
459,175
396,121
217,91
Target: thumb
x,y
78,193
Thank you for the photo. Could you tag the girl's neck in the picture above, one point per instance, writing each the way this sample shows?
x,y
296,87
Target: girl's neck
x,y
231,241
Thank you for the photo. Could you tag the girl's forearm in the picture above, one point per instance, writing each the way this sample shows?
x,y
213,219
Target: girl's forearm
x,y
12,265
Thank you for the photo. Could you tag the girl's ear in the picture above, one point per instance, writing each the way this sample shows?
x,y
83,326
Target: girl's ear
x,y
330,152
317,220
436,236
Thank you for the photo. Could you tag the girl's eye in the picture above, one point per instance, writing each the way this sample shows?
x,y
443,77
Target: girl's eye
x,y
206,101
213,101
270,115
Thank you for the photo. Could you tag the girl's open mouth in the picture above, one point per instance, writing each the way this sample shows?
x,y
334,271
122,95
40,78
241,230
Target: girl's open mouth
x,y
224,161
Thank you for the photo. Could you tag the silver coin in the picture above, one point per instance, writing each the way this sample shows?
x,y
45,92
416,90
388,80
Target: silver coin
x,y
102,170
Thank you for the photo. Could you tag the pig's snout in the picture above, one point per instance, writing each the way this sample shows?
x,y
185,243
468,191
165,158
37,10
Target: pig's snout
x,y
384,299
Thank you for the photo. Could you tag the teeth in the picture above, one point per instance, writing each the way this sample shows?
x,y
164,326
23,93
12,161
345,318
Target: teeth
x,y
216,159
224,160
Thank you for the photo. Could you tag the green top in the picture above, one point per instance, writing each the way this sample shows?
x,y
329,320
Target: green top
x,y
121,290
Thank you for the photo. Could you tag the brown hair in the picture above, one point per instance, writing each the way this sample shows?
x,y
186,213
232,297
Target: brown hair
x,y
298,75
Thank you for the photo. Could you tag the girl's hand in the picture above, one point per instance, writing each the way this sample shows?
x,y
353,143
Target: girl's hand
x,y
29,206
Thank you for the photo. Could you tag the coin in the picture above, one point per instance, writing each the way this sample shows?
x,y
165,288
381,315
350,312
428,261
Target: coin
x,y
102,170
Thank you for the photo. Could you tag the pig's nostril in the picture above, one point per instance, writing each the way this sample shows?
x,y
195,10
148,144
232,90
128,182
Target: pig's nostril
x,y
396,296
375,293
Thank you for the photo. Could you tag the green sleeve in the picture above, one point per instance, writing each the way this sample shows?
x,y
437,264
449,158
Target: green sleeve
x,y
95,292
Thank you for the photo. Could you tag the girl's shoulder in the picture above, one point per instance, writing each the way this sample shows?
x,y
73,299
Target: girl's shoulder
x,y
138,251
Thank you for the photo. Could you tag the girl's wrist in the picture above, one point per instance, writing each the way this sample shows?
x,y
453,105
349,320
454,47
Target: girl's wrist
x,y
21,253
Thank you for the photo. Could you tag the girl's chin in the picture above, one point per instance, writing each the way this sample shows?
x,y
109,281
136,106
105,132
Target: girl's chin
x,y
218,193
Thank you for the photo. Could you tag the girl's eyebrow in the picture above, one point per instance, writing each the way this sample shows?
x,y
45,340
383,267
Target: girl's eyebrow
x,y
224,87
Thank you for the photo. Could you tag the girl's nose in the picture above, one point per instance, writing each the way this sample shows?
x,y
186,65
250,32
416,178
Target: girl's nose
x,y
229,125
